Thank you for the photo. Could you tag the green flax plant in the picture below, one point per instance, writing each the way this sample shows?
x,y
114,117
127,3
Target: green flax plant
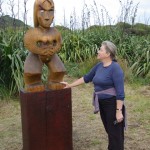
x,y
12,56
81,45
136,50
76,47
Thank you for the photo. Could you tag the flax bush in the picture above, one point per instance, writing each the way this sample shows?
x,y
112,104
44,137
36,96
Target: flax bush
x,y
12,56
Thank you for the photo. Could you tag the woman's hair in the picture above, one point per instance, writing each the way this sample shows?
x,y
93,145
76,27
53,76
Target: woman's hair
x,y
110,48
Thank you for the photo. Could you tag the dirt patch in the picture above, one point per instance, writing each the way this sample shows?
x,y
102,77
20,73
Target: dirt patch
x,y
145,90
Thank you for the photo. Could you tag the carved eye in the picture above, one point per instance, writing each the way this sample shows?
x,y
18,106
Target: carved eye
x,y
42,11
51,10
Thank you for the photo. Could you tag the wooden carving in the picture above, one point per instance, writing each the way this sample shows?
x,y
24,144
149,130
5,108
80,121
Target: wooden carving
x,y
43,42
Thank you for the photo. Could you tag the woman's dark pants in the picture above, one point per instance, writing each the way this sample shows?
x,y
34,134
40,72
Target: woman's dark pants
x,y
108,116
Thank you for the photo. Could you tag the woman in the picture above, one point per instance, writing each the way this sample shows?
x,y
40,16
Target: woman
x,y
108,79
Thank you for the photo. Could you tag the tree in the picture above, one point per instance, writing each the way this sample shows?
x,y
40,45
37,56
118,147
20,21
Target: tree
x,y
11,3
25,13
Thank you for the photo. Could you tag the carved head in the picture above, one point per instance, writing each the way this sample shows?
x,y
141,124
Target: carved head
x,y
43,13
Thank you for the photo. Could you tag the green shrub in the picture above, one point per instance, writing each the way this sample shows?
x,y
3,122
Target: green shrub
x,y
80,69
12,58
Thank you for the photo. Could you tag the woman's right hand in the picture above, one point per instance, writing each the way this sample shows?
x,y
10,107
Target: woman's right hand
x,y
66,85
75,83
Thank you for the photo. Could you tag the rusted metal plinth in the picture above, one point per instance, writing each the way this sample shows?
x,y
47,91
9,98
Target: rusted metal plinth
x,y
47,120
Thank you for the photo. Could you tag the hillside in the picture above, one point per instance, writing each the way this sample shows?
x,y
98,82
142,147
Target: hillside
x,y
7,21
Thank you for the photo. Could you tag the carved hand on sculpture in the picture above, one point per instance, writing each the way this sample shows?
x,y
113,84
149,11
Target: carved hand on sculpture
x,y
51,48
43,44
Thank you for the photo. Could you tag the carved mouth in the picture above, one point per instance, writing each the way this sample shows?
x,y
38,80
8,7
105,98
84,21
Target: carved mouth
x,y
46,19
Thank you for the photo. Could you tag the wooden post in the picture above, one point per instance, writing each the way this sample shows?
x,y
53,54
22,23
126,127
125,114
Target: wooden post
x,y
47,120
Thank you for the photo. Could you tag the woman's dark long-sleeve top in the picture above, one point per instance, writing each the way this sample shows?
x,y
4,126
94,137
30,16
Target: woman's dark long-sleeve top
x,y
107,77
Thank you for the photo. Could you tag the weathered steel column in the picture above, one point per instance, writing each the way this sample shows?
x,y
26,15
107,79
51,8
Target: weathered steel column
x,y
47,120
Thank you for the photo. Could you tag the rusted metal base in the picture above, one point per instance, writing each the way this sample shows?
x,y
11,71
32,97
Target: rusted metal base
x,y
47,120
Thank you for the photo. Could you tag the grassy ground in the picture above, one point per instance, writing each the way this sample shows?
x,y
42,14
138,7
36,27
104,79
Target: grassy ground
x,y
88,131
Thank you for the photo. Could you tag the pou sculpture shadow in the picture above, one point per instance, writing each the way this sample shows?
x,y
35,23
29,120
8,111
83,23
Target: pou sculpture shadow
x,y
43,42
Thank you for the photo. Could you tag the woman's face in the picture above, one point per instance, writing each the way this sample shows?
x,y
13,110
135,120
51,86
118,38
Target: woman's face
x,y
102,53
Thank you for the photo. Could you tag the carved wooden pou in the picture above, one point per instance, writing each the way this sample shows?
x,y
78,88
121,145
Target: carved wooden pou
x,y
43,42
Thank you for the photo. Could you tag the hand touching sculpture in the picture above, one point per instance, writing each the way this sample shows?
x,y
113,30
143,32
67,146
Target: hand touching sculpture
x,y
43,42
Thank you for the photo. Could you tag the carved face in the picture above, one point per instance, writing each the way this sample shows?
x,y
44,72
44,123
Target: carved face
x,y
45,13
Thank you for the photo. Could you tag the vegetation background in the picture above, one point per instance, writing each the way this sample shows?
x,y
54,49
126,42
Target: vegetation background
x,y
78,53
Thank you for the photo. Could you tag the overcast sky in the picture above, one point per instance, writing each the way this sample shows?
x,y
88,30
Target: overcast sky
x,y
71,7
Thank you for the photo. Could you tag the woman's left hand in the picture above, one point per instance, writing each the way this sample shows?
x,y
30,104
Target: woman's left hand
x,y
119,116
